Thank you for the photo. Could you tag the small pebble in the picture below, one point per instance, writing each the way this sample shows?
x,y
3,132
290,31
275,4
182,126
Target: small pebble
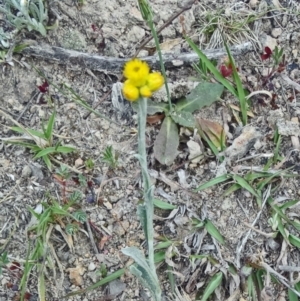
x,y
92,266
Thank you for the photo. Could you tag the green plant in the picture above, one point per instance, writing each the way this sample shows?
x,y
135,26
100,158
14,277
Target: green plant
x,y
37,254
43,141
89,163
237,90
31,15
110,157
3,261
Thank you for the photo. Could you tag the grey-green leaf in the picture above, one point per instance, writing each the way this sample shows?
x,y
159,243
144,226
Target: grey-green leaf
x,y
203,95
166,143
184,118
152,107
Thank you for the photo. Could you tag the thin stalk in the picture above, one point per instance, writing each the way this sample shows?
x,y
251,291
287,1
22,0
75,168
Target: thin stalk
x,y
147,15
162,66
148,193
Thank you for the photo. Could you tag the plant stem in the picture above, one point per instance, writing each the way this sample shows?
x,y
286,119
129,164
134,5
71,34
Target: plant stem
x,y
162,66
148,195
148,191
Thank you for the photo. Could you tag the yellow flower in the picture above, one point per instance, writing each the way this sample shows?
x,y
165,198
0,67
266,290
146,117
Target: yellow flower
x,y
155,81
137,72
145,91
130,91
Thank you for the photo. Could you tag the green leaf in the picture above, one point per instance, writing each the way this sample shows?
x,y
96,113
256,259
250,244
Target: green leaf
x,y
218,76
184,118
50,125
65,149
166,143
203,95
32,132
244,184
212,285
156,107
213,182
292,295
294,240
240,90
163,205
231,189
44,152
163,245
213,231
47,162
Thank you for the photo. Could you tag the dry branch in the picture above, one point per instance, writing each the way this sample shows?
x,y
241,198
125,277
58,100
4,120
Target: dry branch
x,y
104,63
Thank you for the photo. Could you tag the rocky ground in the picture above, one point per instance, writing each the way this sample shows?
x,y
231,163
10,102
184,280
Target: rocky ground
x,y
116,29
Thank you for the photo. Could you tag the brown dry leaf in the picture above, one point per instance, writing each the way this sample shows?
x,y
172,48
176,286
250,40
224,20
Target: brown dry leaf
x,y
236,108
155,118
75,274
213,130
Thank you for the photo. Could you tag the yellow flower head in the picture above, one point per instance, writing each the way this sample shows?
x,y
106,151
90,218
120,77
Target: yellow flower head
x,y
137,72
130,91
145,91
155,81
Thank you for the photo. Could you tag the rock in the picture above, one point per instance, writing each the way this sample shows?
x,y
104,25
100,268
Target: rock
x,y
268,41
253,3
276,32
91,266
116,287
136,34
37,171
78,162
195,151
26,171
241,145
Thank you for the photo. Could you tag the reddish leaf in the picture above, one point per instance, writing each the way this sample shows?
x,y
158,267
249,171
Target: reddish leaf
x,y
94,27
44,87
267,54
103,241
14,266
226,71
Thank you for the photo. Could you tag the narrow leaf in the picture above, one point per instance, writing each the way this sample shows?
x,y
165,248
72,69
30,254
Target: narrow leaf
x,y
218,76
213,182
163,205
213,231
166,143
294,240
213,284
50,125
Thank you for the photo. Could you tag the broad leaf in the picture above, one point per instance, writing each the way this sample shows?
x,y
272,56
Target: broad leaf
x,y
167,141
152,107
184,118
203,95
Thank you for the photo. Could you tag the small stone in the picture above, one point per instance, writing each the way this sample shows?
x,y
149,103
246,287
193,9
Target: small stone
x,y
78,162
91,266
136,34
116,287
268,41
276,32
26,171
253,3
241,145
195,151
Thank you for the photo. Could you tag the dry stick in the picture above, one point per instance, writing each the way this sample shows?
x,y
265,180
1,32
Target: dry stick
x,y
143,44
241,246
91,237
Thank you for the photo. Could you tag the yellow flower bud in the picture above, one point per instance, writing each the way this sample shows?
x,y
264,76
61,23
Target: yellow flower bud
x,y
130,91
145,91
137,72
155,81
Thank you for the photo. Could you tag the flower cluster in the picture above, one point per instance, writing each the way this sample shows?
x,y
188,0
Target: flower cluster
x,y
139,81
